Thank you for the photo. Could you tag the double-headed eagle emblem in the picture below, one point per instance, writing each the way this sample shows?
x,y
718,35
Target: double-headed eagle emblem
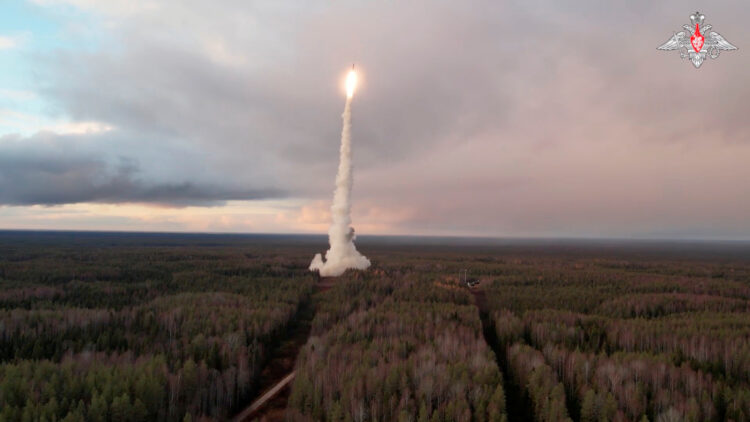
x,y
696,46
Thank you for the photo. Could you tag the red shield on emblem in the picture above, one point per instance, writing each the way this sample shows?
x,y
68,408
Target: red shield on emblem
x,y
697,40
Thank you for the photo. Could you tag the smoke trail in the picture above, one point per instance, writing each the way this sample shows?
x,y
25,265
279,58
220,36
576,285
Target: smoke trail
x,y
342,253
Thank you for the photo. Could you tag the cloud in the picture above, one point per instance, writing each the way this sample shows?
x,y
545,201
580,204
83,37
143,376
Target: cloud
x,y
109,7
17,95
53,169
27,123
530,118
7,43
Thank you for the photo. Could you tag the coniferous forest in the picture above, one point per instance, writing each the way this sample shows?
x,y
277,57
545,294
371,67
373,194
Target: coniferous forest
x,y
141,327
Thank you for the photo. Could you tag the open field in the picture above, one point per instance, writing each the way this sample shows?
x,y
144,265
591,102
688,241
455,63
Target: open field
x,y
124,327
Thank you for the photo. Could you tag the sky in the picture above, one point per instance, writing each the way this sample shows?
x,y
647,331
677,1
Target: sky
x,y
540,118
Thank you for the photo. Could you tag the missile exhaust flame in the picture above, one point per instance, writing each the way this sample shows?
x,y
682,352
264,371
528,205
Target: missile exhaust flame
x,y
351,83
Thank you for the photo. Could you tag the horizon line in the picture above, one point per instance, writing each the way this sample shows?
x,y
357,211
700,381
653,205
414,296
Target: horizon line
x,y
426,236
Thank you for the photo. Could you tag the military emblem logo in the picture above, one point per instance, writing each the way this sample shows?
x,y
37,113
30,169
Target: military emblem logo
x,y
697,41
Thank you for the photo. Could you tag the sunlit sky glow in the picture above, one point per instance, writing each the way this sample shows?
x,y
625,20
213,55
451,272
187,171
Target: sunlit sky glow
x,y
492,118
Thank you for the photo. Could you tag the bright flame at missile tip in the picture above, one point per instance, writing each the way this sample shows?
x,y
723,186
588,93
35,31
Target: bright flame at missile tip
x,y
351,82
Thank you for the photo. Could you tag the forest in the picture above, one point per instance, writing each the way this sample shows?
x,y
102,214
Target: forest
x,y
123,329
416,352
141,327
627,338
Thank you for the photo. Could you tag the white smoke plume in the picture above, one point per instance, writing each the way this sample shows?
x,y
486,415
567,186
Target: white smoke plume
x,y
342,254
